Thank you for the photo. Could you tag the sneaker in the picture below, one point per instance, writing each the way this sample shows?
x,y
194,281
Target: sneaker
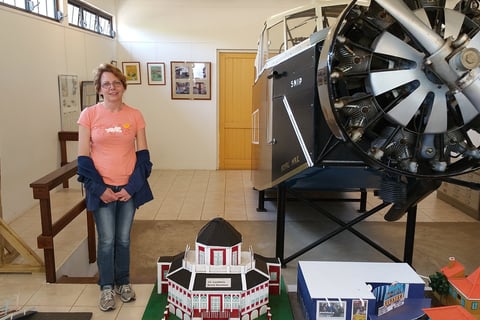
x,y
107,299
126,292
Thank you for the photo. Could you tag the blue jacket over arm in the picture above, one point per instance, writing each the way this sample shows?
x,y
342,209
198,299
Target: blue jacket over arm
x,y
137,186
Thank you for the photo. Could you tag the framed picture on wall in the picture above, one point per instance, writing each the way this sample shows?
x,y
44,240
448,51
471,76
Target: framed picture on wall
x,y
191,80
69,94
156,73
131,70
89,95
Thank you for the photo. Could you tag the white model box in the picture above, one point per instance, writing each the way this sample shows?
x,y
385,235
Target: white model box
x,y
360,290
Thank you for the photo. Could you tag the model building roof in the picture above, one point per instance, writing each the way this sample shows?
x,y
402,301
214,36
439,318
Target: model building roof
x,y
266,259
453,269
176,263
449,312
261,265
219,232
181,277
469,286
330,279
255,278
166,259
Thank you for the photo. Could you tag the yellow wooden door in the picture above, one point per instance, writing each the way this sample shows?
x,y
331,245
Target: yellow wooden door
x,y
236,77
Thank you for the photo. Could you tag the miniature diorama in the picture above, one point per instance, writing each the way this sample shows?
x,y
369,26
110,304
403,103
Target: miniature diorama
x,y
329,290
452,287
218,280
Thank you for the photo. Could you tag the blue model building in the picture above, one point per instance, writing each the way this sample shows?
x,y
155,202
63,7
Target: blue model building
x,y
360,291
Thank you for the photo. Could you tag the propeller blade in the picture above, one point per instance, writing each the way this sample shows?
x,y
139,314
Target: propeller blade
x,y
422,15
453,23
384,81
403,112
437,119
467,109
388,44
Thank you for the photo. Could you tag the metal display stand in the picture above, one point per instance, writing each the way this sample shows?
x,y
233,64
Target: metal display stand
x,y
283,191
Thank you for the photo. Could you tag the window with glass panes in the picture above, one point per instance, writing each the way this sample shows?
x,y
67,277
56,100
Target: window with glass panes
x,y
86,17
45,8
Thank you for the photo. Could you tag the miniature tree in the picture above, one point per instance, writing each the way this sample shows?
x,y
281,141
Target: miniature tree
x,y
439,284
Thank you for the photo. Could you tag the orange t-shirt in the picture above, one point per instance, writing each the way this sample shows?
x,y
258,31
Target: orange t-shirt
x,y
112,140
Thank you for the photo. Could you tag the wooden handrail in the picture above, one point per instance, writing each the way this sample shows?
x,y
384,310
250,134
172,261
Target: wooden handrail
x,y
41,191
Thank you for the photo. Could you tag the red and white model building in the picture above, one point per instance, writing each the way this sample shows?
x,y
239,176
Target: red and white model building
x,y
218,280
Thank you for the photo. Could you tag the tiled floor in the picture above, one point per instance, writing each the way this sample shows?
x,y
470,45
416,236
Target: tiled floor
x,y
179,195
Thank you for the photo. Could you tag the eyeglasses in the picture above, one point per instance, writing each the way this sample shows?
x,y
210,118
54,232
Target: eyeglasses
x,y
116,84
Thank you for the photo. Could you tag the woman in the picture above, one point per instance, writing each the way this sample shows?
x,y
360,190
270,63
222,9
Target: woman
x,y
113,164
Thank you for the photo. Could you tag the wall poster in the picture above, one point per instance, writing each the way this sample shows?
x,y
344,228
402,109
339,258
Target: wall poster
x,y
331,310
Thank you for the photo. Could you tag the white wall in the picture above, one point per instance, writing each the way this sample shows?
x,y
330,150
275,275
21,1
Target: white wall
x,y
181,134
33,53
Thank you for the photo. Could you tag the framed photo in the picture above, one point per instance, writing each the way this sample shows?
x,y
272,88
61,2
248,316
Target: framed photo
x,y
156,73
131,70
191,80
88,94
69,96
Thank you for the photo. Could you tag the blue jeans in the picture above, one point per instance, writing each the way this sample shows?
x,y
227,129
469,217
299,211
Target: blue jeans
x,y
114,223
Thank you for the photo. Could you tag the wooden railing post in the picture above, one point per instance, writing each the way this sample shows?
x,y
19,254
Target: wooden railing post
x,y
45,240
92,251
63,137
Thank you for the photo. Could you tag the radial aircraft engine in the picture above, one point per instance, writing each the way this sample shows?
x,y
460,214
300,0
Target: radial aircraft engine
x,y
381,95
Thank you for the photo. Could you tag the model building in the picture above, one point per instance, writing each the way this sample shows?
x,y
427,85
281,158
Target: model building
x,y
463,289
330,290
217,279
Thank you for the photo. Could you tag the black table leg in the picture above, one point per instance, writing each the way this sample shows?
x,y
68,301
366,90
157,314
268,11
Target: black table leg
x,y
281,203
410,234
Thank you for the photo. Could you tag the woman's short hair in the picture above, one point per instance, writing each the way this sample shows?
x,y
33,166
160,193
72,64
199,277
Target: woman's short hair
x,y
107,67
